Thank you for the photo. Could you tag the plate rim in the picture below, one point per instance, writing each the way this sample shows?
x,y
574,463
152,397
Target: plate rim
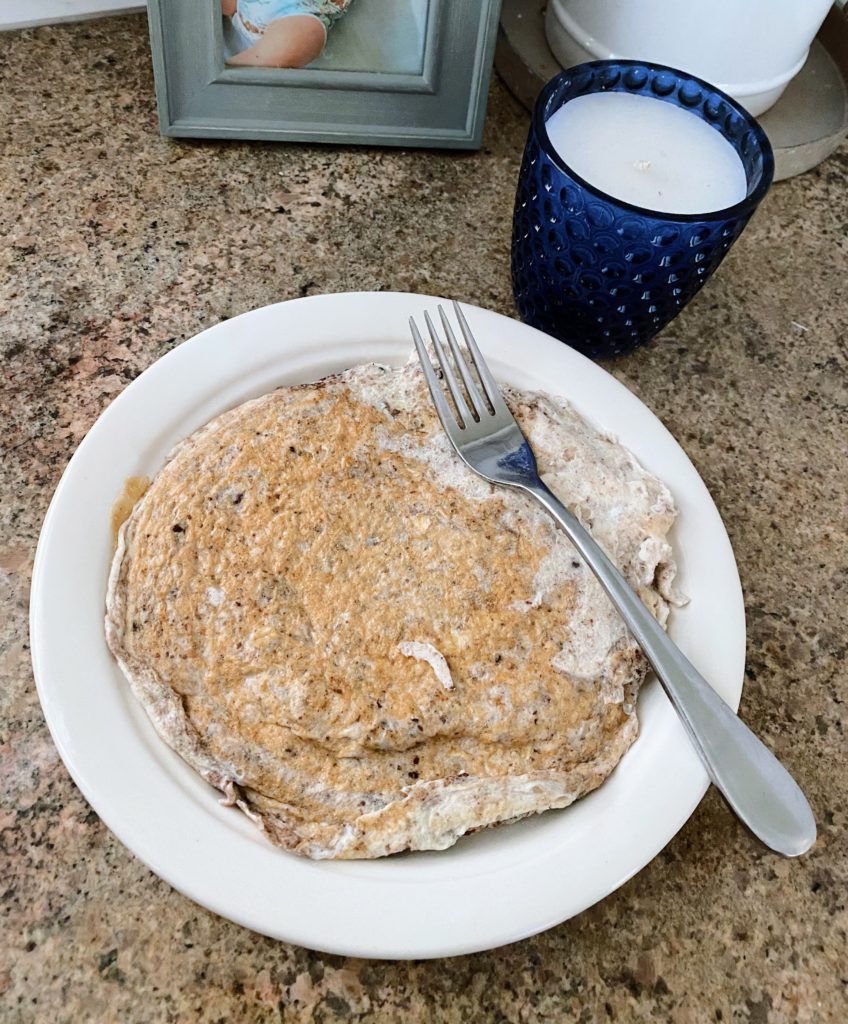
x,y
370,945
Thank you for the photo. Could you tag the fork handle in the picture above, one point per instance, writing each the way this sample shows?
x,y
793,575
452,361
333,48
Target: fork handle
x,y
754,783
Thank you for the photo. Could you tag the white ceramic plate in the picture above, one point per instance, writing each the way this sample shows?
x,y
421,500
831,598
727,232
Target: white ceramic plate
x,y
491,888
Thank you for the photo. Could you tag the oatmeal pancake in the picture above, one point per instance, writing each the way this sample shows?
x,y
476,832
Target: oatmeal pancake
x,y
363,645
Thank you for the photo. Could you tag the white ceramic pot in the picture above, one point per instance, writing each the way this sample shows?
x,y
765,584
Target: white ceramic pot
x,y
749,48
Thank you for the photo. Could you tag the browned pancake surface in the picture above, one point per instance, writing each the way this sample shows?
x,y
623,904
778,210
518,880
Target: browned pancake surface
x,y
268,582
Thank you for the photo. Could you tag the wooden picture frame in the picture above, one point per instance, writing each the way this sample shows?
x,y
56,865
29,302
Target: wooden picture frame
x,y
442,104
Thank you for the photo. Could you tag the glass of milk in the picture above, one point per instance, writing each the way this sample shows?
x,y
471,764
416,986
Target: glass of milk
x,y
636,180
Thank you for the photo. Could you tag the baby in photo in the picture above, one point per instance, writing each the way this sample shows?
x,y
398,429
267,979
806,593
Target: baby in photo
x,y
278,33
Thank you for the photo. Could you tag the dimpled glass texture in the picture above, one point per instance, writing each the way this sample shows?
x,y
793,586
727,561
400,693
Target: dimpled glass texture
x,y
595,272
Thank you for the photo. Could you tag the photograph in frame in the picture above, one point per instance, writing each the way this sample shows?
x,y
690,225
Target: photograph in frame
x,y
384,72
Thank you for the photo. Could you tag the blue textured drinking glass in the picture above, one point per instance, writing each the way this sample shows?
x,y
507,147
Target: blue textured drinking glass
x,y
596,272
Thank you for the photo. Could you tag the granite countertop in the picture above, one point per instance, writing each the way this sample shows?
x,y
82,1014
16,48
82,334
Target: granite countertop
x,y
120,245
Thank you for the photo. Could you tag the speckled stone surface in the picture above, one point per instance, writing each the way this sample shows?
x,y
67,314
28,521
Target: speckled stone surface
x,y
118,246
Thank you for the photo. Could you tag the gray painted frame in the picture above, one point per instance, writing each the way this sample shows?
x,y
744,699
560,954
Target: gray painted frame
x,y
444,105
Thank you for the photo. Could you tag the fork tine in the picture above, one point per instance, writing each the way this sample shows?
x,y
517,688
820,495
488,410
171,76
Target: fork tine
x,y
442,408
474,395
491,388
447,370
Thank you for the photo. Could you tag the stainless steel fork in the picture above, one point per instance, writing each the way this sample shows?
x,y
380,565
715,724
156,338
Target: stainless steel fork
x,y
486,437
